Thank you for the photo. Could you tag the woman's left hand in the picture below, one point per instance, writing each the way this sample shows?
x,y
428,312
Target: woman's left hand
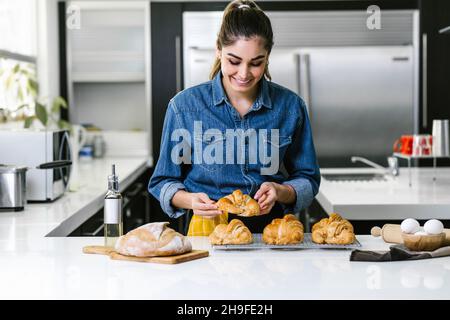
x,y
267,195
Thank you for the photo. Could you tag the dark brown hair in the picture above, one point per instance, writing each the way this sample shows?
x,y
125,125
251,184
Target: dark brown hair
x,y
243,18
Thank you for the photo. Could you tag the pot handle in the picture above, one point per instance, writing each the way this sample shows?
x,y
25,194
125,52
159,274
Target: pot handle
x,y
55,164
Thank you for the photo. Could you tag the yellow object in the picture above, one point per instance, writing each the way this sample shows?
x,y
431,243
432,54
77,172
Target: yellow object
x,y
201,226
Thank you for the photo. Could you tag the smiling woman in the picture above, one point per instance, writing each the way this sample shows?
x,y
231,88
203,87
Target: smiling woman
x,y
239,98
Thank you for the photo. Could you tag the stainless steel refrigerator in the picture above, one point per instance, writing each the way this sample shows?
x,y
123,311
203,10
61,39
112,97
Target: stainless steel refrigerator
x,y
360,99
360,85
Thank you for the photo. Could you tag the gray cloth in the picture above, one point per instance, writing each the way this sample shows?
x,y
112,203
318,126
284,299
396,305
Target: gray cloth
x,y
397,252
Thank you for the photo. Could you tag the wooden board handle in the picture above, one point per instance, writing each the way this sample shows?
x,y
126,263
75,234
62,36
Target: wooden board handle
x,y
98,250
375,231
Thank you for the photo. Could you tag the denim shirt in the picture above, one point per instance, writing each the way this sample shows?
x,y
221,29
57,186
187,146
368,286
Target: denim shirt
x,y
198,122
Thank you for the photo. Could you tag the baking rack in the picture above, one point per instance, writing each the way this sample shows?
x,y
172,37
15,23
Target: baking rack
x,y
307,243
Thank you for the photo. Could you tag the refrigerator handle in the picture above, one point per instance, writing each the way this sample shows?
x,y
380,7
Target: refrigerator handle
x,y
424,81
178,63
304,79
299,76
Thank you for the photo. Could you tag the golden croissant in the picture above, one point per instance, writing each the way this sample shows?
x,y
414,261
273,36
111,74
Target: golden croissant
x,y
233,233
287,230
333,230
239,203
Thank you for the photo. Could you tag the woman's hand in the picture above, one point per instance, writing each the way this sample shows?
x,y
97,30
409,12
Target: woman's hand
x,y
202,205
267,195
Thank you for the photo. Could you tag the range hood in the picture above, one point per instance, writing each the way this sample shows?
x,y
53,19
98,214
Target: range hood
x,y
445,30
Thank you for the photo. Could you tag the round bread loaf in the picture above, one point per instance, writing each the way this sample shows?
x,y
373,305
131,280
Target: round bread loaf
x,y
152,240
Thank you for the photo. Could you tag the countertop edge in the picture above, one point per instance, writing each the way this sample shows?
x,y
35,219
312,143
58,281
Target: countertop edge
x,y
70,224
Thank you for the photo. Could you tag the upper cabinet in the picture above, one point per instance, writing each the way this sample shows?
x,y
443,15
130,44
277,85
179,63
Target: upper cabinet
x,y
110,45
108,68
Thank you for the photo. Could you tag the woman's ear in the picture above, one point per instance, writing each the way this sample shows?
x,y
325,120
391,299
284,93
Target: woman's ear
x,y
218,53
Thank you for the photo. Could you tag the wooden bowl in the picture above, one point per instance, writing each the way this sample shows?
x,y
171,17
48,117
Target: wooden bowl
x,y
423,242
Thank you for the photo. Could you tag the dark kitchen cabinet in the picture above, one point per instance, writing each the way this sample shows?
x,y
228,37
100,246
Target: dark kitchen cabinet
x,y
435,71
166,33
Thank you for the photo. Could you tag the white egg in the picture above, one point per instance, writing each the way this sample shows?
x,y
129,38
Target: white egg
x,y
433,226
421,233
410,225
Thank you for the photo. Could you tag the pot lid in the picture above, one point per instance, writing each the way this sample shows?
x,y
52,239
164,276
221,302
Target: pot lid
x,y
4,168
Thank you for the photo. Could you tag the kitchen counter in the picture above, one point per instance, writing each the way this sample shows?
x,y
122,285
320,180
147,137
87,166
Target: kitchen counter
x,y
36,266
56,268
393,199
61,217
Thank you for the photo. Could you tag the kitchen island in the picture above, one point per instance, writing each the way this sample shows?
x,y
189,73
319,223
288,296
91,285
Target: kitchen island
x,y
35,265
392,199
56,268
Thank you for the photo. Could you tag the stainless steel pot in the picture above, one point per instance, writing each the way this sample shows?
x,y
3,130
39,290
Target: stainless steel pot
x,y
12,187
13,184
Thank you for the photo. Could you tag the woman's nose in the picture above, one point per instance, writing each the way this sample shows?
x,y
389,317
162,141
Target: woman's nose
x,y
243,72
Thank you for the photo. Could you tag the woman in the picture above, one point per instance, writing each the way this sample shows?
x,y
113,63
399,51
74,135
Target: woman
x,y
238,103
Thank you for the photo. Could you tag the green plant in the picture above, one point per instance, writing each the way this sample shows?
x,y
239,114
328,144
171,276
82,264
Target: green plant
x,y
20,90
18,85
48,115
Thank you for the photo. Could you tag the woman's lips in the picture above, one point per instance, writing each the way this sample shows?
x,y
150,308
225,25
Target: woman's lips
x,y
242,83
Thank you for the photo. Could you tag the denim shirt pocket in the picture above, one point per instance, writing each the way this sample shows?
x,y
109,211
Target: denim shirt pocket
x,y
210,160
279,147
283,142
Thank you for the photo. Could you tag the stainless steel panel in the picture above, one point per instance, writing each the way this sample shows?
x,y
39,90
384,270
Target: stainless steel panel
x,y
198,66
13,190
361,100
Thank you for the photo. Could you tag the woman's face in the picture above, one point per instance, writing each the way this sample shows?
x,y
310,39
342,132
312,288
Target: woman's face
x,y
243,64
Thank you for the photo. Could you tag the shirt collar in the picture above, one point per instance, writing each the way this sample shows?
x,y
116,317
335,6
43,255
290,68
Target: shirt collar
x,y
219,95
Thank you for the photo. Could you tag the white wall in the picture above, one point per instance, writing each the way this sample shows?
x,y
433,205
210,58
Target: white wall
x,y
47,48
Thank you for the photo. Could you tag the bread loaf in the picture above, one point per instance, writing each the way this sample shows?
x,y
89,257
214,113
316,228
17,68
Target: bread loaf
x,y
233,233
152,240
333,230
287,230
239,203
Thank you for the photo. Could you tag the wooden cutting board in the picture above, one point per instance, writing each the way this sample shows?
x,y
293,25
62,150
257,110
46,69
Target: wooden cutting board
x,y
194,254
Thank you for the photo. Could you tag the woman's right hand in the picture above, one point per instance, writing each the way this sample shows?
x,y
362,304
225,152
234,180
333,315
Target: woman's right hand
x,y
202,205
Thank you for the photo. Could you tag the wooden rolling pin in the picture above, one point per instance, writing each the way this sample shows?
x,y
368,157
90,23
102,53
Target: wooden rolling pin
x,y
393,234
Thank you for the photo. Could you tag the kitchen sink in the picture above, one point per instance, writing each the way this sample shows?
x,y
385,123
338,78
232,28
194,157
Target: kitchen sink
x,y
355,177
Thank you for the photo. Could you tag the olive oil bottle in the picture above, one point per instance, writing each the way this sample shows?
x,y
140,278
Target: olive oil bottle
x,y
113,210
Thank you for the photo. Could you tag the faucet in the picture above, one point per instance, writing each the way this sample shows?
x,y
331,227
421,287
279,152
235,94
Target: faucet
x,y
392,161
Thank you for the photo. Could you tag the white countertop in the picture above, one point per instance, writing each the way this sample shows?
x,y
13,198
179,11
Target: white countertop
x,y
33,266
56,268
64,215
393,199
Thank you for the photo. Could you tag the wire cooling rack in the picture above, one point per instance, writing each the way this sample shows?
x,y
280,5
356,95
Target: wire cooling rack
x,y
307,243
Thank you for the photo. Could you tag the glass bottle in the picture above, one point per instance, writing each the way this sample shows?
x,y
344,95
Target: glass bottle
x,y
113,210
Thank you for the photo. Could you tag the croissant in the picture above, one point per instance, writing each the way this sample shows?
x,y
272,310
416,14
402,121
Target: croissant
x,y
283,231
333,230
239,203
151,240
233,233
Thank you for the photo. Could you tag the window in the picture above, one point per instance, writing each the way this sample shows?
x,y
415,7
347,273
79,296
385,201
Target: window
x,y
18,85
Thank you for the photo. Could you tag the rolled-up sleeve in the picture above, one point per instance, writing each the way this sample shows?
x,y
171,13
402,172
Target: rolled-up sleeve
x,y
301,165
167,177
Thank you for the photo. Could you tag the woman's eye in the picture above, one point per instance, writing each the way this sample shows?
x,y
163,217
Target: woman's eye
x,y
254,64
